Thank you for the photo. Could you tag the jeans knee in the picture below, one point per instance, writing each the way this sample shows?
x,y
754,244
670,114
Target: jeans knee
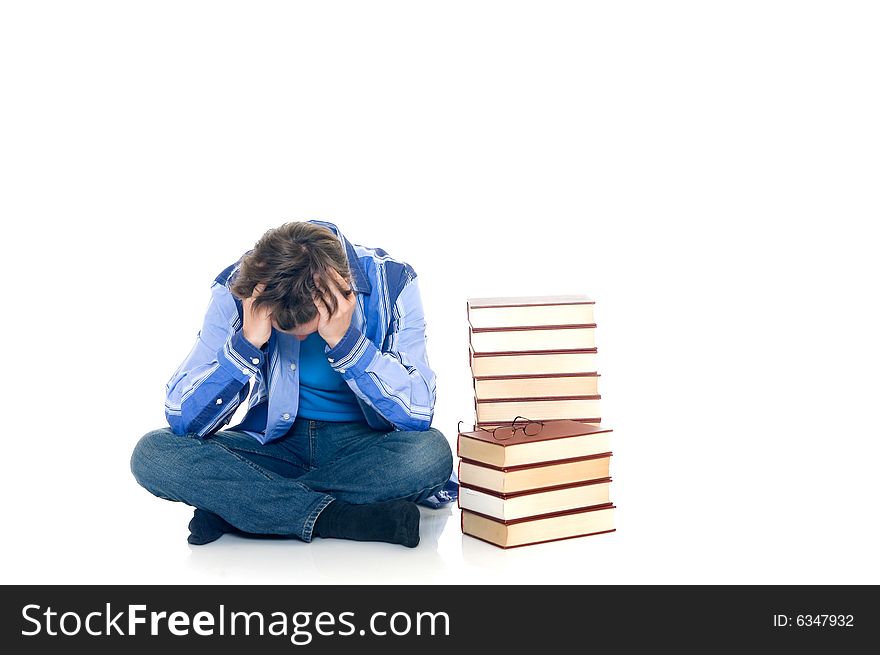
x,y
147,458
436,455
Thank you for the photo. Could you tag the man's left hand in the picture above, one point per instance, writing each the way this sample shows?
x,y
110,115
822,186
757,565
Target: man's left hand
x,y
332,327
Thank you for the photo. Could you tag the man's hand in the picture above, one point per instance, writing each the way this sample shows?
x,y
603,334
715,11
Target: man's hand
x,y
333,327
257,325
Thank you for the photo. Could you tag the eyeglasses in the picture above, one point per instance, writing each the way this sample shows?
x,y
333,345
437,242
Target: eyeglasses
x,y
503,432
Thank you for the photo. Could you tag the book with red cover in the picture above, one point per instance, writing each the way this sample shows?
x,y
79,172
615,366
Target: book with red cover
x,y
528,301
555,440
536,386
537,338
505,410
534,502
580,522
512,479
536,363
525,311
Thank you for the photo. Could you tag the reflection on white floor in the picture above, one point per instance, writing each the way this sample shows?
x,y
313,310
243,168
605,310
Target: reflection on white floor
x,y
146,544
444,555
326,560
130,537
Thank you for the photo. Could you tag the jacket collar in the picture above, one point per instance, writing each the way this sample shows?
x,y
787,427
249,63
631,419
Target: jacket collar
x,y
359,281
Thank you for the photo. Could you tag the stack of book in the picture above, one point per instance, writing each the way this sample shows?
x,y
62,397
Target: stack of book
x,y
528,489
536,466
533,357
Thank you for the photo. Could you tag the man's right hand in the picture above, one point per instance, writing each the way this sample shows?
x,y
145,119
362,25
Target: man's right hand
x,y
257,326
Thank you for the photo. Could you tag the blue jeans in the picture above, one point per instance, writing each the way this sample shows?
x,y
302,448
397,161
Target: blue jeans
x,y
281,487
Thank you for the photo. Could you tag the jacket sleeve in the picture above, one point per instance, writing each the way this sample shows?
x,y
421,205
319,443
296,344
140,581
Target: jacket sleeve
x,y
212,381
397,381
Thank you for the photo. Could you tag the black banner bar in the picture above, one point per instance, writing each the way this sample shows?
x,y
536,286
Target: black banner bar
x,y
435,619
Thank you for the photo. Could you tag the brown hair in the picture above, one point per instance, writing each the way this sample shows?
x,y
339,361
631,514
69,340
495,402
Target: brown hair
x,y
293,263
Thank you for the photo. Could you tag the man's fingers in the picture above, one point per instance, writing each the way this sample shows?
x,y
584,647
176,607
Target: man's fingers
x,y
340,287
321,305
341,282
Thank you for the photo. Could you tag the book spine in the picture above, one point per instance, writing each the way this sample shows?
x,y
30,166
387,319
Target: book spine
x,y
539,490
531,543
523,467
536,399
512,353
549,515
530,328
535,376
585,301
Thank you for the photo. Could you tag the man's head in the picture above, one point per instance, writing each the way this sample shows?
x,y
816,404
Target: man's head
x,y
291,265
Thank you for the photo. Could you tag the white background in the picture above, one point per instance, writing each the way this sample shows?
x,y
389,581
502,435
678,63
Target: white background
x,y
707,171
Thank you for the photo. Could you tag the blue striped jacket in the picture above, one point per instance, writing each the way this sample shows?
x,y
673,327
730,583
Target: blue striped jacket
x,y
382,357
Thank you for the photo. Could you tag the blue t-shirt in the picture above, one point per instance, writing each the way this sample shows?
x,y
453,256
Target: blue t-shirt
x,y
323,393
